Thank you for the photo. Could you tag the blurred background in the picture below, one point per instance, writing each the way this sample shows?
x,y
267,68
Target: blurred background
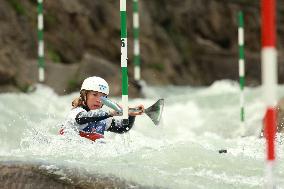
x,y
209,134
182,42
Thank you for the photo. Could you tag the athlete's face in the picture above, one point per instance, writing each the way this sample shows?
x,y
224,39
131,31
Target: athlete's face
x,y
93,100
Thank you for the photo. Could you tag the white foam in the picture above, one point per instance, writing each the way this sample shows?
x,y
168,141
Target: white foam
x,y
182,152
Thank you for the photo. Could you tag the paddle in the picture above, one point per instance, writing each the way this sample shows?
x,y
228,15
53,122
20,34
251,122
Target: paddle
x,y
154,112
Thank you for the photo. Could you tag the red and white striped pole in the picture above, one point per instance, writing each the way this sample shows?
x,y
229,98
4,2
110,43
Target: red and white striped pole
x,y
269,130
269,83
268,54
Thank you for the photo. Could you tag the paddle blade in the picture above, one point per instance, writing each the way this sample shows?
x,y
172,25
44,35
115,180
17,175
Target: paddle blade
x,y
155,111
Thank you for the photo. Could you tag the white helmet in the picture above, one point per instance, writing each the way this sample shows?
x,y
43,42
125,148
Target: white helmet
x,y
95,84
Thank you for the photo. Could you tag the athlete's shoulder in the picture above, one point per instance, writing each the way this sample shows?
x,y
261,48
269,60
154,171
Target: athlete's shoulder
x,y
73,113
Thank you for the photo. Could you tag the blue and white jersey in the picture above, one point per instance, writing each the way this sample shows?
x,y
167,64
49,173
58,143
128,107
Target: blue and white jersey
x,y
96,127
83,120
92,121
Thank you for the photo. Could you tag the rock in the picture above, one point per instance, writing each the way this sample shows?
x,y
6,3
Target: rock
x,y
111,72
95,66
27,75
185,42
7,70
74,74
280,115
27,176
15,175
9,88
72,6
6,75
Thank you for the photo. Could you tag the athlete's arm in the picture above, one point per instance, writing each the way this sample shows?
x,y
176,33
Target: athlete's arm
x,y
117,126
91,116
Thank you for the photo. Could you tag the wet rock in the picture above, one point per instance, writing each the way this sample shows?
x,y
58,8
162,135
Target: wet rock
x,y
32,176
280,115
185,42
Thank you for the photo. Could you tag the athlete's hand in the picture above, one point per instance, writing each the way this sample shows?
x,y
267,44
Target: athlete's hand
x,y
115,113
140,107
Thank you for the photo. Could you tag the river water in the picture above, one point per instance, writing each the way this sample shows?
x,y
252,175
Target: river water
x,y
181,153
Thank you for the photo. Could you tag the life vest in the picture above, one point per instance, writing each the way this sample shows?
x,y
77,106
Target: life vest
x,y
90,136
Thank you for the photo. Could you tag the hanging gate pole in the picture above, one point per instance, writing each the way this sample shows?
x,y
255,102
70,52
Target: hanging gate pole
x,y
241,68
124,70
269,82
41,76
137,69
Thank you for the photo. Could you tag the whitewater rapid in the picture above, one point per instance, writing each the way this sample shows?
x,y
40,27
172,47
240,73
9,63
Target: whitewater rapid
x,y
181,153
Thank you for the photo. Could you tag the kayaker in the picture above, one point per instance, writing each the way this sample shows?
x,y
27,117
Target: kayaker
x,y
87,116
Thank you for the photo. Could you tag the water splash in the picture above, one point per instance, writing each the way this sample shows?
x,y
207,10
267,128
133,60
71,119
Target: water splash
x,y
183,152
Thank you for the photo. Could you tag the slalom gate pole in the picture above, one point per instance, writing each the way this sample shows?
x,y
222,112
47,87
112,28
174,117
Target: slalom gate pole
x,y
124,70
241,68
40,41
269,131
269,82
137,69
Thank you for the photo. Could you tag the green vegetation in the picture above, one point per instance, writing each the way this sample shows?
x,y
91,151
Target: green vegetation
x,y
72,85
247,3
157,66
33,2
25,88
17,6
50,20
181,42
53,54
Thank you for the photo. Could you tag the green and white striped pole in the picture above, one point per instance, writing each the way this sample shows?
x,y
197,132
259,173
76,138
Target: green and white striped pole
x,y
241,67
40,41
137,70
123,31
